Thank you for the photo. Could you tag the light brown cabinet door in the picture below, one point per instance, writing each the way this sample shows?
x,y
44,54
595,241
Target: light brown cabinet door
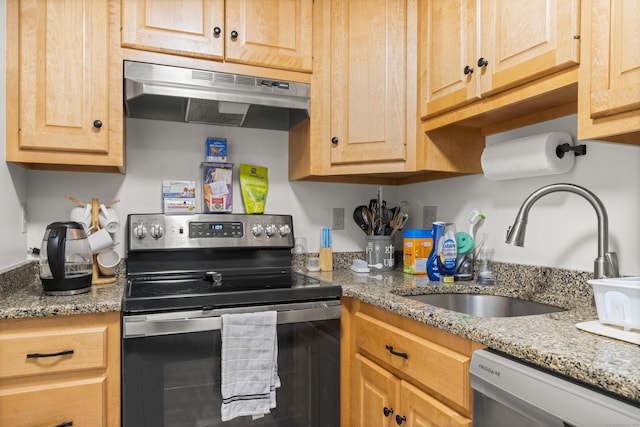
x,y
450,29
368,81
524,39
187,27
422,410
63,85
615,57
376,396
270,33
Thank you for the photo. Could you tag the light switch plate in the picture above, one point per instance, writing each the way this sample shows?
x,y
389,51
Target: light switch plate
x,y
429,214
338,219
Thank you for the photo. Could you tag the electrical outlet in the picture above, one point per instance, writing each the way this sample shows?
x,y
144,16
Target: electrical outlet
x,y
338,219
23,218
429,214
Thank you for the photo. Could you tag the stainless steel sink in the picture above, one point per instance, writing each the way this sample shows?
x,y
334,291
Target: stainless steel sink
x,y
486,305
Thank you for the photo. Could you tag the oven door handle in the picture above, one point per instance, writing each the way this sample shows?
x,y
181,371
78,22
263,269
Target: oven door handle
x,y
153,325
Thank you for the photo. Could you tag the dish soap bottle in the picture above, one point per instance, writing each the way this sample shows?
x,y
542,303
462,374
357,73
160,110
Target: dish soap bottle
x,y
447,254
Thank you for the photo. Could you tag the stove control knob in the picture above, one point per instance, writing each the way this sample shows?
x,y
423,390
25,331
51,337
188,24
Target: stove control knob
x,y
140,231
284,230
256,230
156,231
271,230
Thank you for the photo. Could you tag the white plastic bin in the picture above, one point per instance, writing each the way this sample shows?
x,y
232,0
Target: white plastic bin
x,y
618,301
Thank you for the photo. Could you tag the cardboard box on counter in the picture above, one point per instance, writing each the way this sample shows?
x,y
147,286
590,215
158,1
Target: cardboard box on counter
x,y
217,185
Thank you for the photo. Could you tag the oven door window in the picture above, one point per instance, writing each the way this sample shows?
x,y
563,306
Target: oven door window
x,y
174,380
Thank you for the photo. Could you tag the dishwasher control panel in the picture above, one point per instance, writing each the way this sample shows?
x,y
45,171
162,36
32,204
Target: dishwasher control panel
x,y
167,232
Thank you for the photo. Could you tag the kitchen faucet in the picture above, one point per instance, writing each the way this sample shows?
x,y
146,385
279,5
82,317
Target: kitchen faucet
x,y
606,264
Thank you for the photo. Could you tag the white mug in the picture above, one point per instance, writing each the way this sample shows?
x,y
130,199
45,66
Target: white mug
x,y
100,240
108,261
81,215
108,219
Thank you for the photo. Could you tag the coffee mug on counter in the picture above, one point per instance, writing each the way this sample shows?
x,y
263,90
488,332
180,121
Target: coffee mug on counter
x,y
108,261
81,215
108,219
100,240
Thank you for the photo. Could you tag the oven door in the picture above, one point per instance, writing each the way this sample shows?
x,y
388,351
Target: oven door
x,y
171,369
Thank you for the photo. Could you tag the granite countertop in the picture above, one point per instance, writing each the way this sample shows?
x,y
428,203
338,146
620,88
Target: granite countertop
x,y
21,296
548,340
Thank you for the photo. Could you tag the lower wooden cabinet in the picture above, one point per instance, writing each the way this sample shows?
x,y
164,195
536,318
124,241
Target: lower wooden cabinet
x,y
60,370
382,399
398,371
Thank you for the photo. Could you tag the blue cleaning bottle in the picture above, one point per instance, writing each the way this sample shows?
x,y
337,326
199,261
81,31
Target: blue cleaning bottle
x,y
448,254
432,262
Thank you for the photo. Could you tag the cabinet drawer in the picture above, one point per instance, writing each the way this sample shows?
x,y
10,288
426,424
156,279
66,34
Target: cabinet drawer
x,y
436,367
52,350
81,403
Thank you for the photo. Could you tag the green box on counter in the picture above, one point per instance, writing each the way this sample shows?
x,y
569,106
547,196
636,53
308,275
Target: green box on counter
x,y
217,187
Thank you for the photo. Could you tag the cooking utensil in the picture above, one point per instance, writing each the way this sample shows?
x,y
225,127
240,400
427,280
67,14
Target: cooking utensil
x,y
396,222
360,216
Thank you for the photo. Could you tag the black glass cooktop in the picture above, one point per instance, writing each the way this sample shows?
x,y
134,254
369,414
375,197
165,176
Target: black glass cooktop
x,y
209,290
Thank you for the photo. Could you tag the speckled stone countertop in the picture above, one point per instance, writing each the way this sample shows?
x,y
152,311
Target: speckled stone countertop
x,y
548,340
21,296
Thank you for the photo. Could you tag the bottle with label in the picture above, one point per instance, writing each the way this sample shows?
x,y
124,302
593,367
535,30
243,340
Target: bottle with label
x,y
432,262
447,253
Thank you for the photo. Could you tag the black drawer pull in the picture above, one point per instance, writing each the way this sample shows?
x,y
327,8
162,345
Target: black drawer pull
x,y
400,420
387,411
65,424
60,353
396,353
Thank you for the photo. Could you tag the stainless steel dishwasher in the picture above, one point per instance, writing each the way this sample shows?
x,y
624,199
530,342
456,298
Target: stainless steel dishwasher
x,y
509,393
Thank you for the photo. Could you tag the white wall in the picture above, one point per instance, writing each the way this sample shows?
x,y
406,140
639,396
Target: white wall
x,y
159,150
562,228
13,180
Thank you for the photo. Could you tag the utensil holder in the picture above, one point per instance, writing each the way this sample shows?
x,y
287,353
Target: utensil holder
x,y
380,253
326,259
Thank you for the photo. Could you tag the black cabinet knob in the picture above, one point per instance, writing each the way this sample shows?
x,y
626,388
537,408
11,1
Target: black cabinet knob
x,y
400,420
97,124
387,411
482,62
217,31
234,34
467,70
335,140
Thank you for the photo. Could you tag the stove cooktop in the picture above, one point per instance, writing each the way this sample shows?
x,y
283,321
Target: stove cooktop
x,y
197,291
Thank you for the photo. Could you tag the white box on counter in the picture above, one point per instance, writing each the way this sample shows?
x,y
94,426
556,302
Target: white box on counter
x,y
618,301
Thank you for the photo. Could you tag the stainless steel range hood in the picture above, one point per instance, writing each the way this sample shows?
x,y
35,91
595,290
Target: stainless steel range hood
x,y
162,92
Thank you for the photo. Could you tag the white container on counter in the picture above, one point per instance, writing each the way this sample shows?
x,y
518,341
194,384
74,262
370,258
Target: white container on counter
x,y
618,301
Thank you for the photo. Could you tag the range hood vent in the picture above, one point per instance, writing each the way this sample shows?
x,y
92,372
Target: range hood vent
x,y
161,92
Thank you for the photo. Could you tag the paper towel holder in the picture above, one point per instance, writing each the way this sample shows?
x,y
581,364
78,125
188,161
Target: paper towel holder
x,y
578,150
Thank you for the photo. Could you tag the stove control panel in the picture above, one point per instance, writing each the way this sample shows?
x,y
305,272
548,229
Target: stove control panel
x,y
158,231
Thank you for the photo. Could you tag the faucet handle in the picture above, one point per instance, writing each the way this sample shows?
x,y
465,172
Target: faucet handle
x,y
611,269
606,266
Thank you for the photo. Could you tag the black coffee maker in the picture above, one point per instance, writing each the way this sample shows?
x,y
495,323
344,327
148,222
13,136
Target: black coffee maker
x,y
66,261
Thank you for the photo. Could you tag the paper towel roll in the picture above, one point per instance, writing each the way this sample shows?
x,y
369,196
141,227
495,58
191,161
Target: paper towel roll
x,y
525,157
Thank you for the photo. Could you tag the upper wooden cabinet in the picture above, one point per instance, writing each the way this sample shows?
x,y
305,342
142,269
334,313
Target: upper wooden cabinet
x,y
64,96
372,110
609,94
519,41
269,33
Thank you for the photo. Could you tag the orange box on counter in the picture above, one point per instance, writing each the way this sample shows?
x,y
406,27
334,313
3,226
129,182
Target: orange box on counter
x,y
417,247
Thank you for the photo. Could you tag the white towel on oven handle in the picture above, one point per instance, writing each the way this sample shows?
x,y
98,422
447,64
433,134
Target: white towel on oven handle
x,y
249,364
